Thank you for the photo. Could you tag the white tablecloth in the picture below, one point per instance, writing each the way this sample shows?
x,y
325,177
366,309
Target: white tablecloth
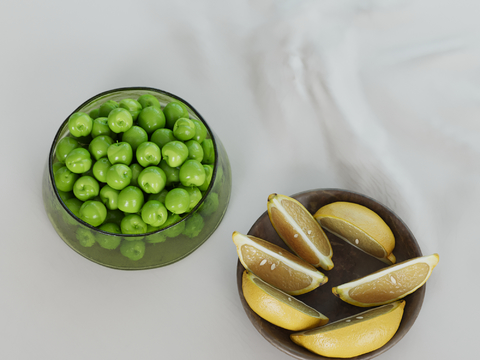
x,y
379,97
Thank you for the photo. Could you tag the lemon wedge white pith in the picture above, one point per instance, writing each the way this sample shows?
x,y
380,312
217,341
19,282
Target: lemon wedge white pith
x,y
389,284
299,230
277,266
359,226
277,307
355,335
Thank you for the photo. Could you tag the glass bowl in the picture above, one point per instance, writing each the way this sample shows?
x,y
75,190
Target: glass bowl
x,y
162,247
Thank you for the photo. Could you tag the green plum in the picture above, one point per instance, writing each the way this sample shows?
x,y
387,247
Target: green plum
x,y
134,250
105,109
192,173
89,172
135,136
210,205
148,153
184,129
120,153
99,145
119,176
131,105
195,150
83,140
151,119
114,216
111,228
195,196
86,188
133,224
85,237
100,127
208,177
65,195
208,151
173,111
174,225
109,197
175,153
177,201
200,131
109,242
57,166
64,147
65,179
162,137
80,124
155,238
160,196
172,173
152,180
78,160
147,100
74,205
95,113
154,213
130,199
136,170
193,225
93,212
120,120
100,169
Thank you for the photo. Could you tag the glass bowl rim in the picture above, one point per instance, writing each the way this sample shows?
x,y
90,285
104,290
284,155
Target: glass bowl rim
x,y
132,88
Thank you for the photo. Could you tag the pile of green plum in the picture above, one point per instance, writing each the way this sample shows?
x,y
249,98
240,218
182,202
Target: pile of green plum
x,y
133,167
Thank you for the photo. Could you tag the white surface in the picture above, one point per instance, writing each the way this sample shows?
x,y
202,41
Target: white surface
x,y
377,97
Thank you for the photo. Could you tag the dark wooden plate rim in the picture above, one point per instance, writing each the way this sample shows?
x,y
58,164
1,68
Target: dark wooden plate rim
x,y
406,248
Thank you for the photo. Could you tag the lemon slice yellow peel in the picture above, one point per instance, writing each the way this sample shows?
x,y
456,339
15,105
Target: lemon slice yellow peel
x,y
278,307
355,335
360,227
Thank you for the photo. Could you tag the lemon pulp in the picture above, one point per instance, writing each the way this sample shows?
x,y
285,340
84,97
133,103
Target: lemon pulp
x,y
354,236
391,286
300,231
274,271
276,265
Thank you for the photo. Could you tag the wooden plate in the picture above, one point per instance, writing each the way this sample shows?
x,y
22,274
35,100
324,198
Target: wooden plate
x,y
349,264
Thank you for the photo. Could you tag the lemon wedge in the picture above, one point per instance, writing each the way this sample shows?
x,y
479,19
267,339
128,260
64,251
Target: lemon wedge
x,y
389,284
277,307
277,266
299,230
359,226
355,335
